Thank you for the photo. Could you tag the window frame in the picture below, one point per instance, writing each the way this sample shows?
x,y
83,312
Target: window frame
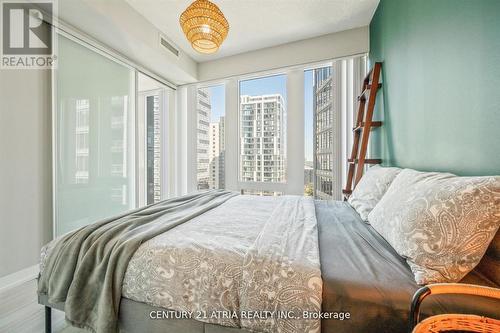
x,y
295,124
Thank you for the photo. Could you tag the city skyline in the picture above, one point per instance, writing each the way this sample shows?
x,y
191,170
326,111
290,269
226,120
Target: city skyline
x,y
267,85
256,88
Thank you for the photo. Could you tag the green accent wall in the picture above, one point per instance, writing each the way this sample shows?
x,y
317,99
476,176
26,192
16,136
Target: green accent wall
x,y
441,84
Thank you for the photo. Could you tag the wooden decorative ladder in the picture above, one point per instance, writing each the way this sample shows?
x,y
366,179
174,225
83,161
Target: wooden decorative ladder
x,y
364,124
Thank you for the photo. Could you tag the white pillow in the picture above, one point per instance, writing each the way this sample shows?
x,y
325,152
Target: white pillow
x,y
442,224
370,189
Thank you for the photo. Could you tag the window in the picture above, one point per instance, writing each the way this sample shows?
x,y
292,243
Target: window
x,y
291,134
152,110
262,130
211,146
318,132
109,136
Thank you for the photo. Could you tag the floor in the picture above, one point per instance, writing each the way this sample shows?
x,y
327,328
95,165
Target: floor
x,y
21,313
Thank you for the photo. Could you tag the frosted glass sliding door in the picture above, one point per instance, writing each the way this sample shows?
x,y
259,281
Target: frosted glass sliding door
x,y
94,136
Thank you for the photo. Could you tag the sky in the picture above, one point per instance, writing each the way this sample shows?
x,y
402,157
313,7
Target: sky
x,y
265,86
217,101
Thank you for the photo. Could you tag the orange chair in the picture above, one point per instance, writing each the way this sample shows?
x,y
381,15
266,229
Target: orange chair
x,y
452,322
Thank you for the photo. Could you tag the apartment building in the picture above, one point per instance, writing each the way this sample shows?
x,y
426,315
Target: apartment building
x,y
222,152
323,133
203,108
262,138
153,149
216,154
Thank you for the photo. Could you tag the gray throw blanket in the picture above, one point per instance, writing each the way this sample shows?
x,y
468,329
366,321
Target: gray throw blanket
x,y
85,269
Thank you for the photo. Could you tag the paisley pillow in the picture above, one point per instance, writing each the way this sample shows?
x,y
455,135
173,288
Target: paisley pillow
x,y
371,188
442,224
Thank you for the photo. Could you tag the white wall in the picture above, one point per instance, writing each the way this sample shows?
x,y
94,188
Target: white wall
x,y
25,167
25,123
116,24
322,48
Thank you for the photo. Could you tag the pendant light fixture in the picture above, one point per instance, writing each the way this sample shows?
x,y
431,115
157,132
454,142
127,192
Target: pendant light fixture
x,y
204,25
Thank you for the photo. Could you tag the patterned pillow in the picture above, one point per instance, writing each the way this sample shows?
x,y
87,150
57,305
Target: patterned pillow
x,y
371,188
442,224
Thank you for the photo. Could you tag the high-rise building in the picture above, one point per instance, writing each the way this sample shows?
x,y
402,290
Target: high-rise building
x,y
222,149
263,138
308,175
323,133
216,155
203,108
153,149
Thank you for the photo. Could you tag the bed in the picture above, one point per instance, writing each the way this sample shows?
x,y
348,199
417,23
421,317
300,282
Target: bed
x,y
331,262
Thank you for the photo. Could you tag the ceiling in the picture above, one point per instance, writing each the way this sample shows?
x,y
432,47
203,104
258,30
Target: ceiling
x,y
256,24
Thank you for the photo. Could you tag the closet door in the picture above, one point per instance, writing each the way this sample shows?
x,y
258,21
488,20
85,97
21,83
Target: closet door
x,y
94,136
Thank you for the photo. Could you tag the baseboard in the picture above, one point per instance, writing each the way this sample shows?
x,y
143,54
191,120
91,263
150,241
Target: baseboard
x,y
19,309
18,278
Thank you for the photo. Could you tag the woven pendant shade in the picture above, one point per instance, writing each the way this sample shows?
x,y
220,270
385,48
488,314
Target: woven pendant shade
x,y
204,25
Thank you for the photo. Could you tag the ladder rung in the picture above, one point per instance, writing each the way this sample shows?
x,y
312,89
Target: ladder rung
x,y
360,127
367,161
367,90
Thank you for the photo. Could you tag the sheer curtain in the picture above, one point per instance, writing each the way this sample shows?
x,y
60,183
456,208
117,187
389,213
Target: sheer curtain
x,y
350,75
94,136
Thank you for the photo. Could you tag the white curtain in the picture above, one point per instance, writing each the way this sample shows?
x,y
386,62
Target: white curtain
x,y
94,136
350,75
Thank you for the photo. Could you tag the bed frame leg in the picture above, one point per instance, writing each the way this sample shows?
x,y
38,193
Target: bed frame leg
x,y
48,320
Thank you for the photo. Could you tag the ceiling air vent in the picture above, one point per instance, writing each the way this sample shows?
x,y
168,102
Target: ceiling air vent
x,y
167,45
